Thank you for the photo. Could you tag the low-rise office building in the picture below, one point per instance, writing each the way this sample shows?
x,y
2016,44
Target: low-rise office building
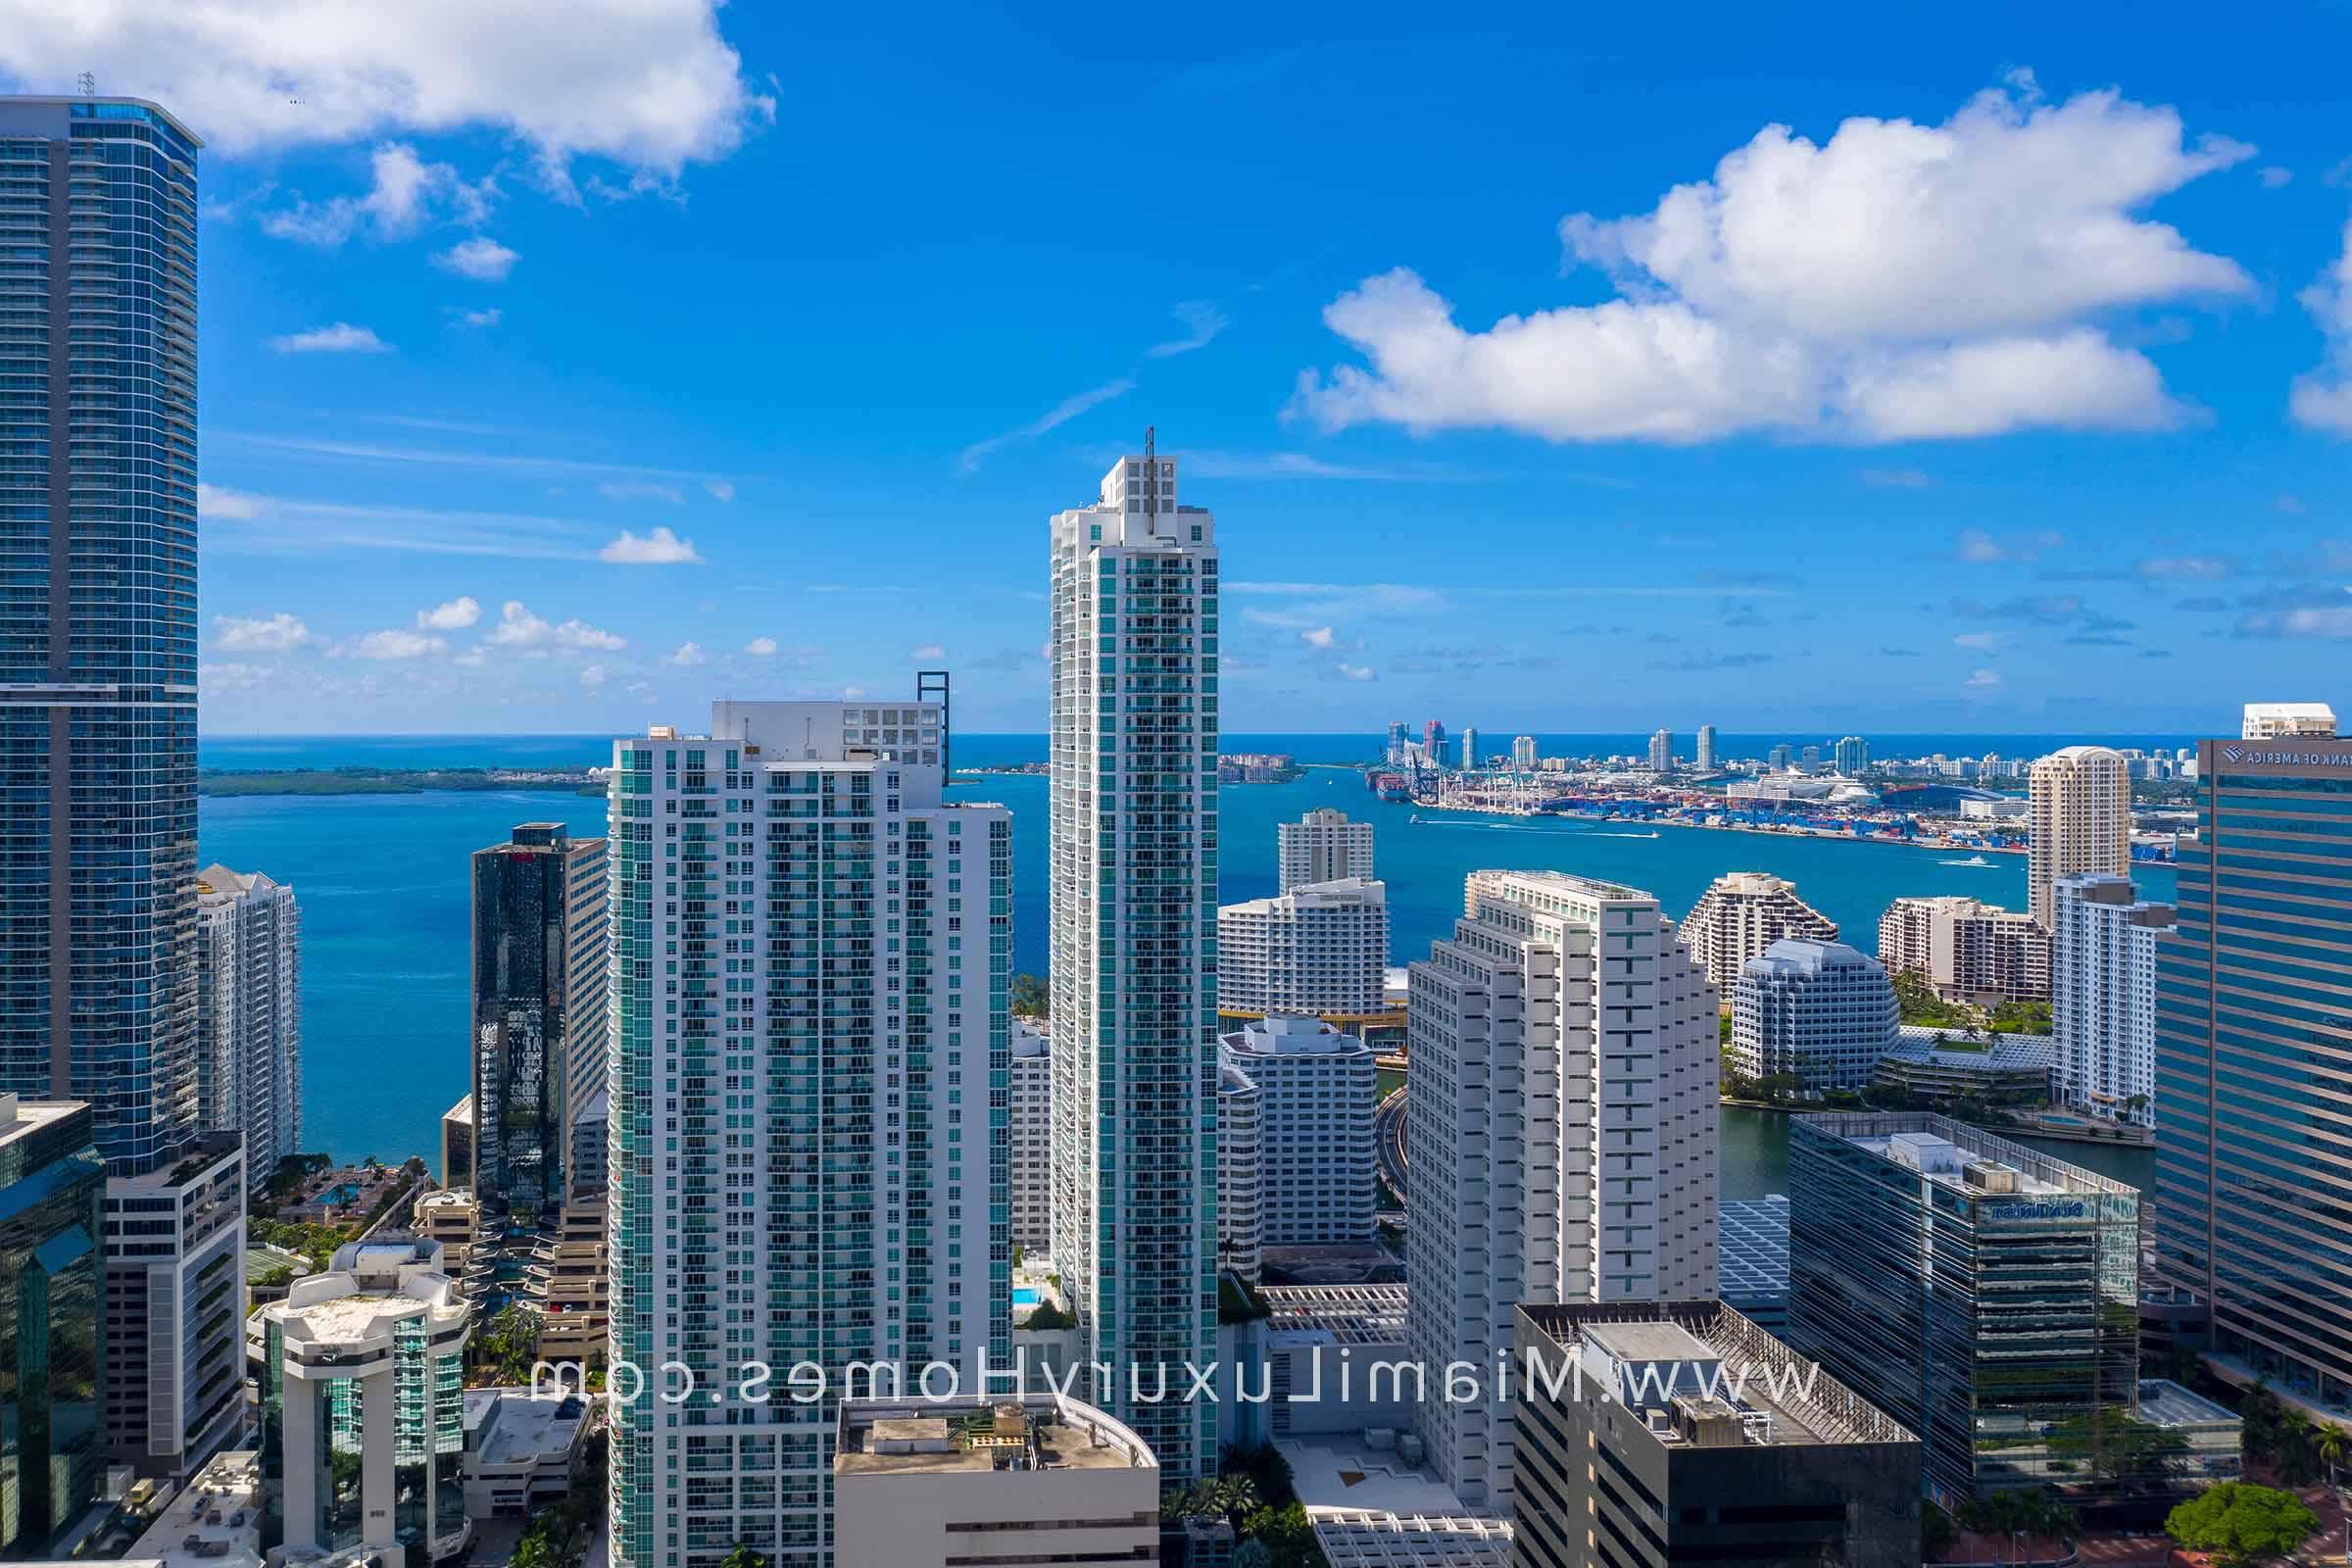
x,y
1983,1294
520,1449
1655,1434
1948,1064
1038,1478
1820,1013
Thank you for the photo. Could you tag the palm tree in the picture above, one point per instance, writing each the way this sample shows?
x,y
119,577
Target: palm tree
x,y
2329,1444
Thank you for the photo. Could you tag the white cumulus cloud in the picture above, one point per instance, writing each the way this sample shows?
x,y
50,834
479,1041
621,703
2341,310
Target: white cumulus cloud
x,y
454,615
1319,637
2322,399
1983,678
1356,672
394,643
518,628
660,548
1897,282
592,677
260,633
481,258
688,654
928,651
234,506
405,193
648,84
340,338
760,648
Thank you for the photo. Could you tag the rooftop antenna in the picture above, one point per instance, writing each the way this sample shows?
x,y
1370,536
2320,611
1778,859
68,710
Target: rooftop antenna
x,y
89,84
1151,474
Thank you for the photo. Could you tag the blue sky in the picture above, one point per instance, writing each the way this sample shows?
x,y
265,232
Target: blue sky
x,y
568,367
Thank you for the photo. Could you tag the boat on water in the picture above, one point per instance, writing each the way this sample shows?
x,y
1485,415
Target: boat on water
x,y
1974,859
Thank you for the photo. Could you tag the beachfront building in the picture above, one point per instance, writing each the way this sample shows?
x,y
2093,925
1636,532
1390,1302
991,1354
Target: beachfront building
x,y
1852,755
1029,1134
1523,754
1706,749
2254,1070
2081,809
1133,895
1683,1432
1661,752
1965,950
2103,995
1982,1294
1820,1013
1469,749
1026,1478
839,1192
1315,1098
249,1014
1740,916
52,1446
362,1404
1561,1130
1322,846
1319,951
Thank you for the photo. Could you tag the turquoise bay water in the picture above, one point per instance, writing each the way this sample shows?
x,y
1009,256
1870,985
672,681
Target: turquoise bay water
x,y
382,884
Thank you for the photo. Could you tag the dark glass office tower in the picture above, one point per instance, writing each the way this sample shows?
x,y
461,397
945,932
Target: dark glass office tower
x,y
539,1025
98,616
1984,1295
2254,1068
51,1446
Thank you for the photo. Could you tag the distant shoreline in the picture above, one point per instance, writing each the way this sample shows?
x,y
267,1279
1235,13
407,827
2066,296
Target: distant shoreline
x,y
342,781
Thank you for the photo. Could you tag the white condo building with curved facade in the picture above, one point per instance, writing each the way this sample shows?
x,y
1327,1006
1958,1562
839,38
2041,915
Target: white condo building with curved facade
x,y
1320,951
1819,1012
1241,1182
1740,916
1560,1131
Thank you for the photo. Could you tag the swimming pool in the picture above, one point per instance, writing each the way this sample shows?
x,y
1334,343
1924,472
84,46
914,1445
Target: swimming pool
x,y
1027,1295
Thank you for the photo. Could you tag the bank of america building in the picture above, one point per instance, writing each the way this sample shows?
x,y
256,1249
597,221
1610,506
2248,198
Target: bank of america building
x,y
2254,1068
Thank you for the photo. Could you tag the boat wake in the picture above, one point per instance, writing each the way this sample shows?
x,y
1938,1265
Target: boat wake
x,y
1972,861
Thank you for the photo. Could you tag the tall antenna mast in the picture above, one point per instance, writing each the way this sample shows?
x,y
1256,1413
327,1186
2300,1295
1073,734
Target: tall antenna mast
x,y
1151,474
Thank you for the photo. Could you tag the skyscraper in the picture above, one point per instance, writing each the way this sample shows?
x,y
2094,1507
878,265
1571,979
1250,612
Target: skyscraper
x,y
1661,752
1706,748
98,670
810,955
1523,754
1134,904
1320,951
539,1019
249,1014
1396,747
2103,995
1853,756
2081,821
1469,749
1322,846
1433,738
1560,1132
2254,1065
1818,1012
1777,758
52,1452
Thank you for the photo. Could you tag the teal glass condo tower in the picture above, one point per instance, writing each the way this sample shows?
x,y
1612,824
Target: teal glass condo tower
x,y
811,951
1133,908
98,616
52,1445
2254,1070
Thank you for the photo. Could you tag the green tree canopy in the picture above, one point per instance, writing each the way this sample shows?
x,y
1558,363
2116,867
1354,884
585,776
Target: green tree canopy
x,y
2239,1522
